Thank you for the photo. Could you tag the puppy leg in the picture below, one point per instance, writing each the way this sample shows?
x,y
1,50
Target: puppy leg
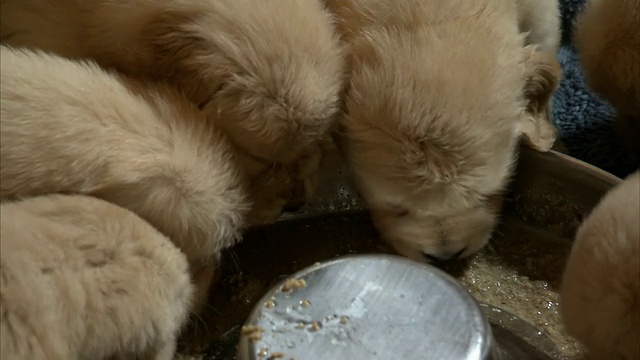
x,y
542,79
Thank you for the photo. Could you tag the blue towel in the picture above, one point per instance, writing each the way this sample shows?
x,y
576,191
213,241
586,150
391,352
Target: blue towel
x,y
585,122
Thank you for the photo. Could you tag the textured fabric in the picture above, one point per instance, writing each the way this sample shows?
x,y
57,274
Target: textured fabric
x,y
585,122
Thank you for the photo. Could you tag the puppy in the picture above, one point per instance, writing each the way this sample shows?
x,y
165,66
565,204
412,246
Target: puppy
x,y
268,72
438,95
608,41
600,293
540,21
71,127
85,279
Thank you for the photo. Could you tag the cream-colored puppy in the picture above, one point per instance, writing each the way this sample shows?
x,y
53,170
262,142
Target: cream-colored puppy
x,y
600,293
71,127
540,21
608,40
85,279
269,72
438,95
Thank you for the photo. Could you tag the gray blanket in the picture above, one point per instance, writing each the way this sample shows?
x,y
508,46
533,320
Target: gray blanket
x,y
585,122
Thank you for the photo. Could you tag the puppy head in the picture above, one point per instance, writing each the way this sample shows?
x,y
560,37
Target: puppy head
x,y
271,82
542,76
430,202
430,149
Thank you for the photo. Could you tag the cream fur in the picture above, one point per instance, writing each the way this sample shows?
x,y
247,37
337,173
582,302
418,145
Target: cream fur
x,y
70,127
438,94
540,21
84,279
268,72
608,40
600,294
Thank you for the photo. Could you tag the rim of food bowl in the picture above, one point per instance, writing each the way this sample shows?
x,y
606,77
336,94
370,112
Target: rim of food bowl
x,y
596,171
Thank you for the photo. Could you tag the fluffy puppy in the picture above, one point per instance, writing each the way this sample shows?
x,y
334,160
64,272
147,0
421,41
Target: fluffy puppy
x,y
600,293
608,41
86,279
71,127
269,72
438,95
540,21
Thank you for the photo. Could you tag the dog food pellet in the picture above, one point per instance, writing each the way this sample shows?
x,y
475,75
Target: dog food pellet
x,y
293,284
344,320
263,352
254,332
305,303
270,304
276,355
249,329
315,326
300,325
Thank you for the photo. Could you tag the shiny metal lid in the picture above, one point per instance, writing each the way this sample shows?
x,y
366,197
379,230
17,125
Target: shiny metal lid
x,y
367,307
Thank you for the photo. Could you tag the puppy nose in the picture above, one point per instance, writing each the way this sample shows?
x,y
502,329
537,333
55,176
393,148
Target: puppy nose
x,y
445,255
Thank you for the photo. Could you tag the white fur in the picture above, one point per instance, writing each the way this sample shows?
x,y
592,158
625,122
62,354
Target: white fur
x,y
84,279
600,294
439,92
71,127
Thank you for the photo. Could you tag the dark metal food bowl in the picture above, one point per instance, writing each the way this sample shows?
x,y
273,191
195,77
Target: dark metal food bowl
x,y
518,273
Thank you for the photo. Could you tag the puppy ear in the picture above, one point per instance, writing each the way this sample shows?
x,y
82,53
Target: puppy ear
x,y
542,77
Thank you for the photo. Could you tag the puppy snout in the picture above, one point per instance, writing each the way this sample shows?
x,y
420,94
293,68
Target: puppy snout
x,y
444,255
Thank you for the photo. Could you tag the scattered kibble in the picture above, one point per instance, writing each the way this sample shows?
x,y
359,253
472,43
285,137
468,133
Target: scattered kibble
x,y
344,320
293,284
305,303
315,326
263,352
270,304
253,332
